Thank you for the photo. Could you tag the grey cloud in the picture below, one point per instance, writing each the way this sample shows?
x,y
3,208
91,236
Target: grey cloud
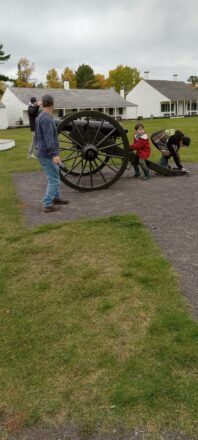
x,y
155,35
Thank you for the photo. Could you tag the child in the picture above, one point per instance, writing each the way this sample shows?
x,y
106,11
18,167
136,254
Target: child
x,y
168,142
143,151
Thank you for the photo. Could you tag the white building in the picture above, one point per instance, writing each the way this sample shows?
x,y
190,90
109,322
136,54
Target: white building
x,y
66,100
159,98
3,117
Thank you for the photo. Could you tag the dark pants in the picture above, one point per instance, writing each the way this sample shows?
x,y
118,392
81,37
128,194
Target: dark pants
x,y
138,161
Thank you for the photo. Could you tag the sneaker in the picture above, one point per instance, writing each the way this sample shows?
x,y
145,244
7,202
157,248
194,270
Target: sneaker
x,y
137,171
58,201
50,209
31,156
146,175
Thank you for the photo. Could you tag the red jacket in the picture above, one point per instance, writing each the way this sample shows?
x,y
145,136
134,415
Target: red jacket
x,y
142,146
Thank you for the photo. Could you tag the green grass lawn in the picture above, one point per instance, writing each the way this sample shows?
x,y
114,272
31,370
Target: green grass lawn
x,y
94,327
188,125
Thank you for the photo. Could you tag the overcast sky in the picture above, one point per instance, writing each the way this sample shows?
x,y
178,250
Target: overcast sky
x,y
160,36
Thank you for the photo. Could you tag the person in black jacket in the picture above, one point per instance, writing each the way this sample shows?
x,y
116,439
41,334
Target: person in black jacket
x,y
168,142
33,111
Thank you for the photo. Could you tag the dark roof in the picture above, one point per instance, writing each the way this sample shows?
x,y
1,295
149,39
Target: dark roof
x,y
2,105
174,90
74,98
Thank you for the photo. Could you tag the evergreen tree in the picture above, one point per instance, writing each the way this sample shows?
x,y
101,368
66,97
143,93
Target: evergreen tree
x,y
84,74
3,58
193,79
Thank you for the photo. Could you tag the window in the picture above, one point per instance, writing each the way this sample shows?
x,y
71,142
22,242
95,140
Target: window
x,y
165,108
193,106
100,110
111,111
60,112
120,110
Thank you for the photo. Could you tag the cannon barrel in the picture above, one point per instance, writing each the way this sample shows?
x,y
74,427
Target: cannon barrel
x,y
105,127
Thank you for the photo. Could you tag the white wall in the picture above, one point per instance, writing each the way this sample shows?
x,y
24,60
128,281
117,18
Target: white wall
x,y
131,112
3,118
147,99
14,107
25,117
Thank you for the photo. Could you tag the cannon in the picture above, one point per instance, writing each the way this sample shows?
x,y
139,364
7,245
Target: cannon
x,y
94,151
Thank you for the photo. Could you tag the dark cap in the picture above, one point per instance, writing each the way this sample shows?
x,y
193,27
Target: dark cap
x,y
47,101
33,99
186,141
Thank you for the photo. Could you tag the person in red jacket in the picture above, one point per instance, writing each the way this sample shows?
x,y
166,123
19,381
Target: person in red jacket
x,y
143,150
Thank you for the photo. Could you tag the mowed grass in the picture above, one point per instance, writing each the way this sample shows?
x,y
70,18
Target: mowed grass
x,y
94,327
189,126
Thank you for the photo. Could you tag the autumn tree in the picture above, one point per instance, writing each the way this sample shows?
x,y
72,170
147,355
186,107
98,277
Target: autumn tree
x,y
3,58
193,79
123,77
84,74
69,75
2,88
53,80
25,69
99,82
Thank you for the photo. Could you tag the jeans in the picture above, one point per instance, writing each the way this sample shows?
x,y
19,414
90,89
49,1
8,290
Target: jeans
x,y
53,177
164,161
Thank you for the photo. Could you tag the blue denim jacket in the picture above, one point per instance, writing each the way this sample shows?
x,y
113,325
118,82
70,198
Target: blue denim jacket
x,y
46,136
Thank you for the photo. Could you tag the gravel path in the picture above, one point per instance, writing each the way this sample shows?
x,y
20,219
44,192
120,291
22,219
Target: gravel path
x,y
168,206
70,432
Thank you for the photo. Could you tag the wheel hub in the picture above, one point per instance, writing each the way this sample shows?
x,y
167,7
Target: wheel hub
x,y
90,152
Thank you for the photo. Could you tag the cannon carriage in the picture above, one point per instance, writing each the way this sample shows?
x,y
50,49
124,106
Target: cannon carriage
x,y
94,151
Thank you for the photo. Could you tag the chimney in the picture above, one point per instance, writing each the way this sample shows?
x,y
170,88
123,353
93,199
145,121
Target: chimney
x,y
146,74
66,85
175,77
122,93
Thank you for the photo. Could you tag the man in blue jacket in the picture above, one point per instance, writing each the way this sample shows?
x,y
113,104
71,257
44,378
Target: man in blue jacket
x,y
48,154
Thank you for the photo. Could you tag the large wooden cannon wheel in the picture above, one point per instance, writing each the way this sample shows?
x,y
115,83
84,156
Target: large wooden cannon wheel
x,y
93,149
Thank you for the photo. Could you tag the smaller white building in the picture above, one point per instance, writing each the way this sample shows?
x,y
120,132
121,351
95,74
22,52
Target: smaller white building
x,y
160,98
3,117
66,100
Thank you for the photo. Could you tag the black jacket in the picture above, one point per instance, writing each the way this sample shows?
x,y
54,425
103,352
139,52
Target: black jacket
x,y
33,111
173,145
170,143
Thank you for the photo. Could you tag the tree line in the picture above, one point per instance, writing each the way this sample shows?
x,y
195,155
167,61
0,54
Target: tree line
x,y
122,77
